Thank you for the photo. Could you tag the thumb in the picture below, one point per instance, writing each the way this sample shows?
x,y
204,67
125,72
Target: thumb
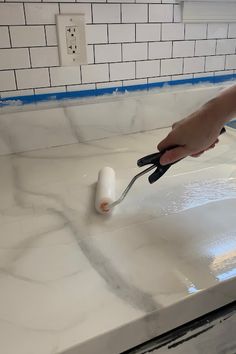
x,y
174,155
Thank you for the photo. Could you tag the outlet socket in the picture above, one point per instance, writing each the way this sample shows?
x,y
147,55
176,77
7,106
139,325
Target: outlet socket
x,y
71,39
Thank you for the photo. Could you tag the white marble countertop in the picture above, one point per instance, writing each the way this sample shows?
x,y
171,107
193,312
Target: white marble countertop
x,y
75,282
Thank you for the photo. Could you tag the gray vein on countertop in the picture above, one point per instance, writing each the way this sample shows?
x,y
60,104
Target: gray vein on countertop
x,y
129,293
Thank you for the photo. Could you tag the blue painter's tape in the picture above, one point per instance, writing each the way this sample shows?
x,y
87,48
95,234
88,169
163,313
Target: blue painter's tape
x,y
32,99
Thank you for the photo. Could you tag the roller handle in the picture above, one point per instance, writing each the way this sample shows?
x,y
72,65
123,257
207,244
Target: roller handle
x,y
154,159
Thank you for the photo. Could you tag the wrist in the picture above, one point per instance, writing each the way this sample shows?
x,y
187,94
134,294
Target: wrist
x,y
217,112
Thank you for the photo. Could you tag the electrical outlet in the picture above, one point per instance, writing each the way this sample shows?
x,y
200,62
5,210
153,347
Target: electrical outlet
x,y
71,39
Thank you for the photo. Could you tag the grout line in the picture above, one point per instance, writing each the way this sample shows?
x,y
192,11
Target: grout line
x,y
50,80
94,54
91,12
225,62
228,31
30,60
24,13
45,35
9,33
81,76
109,71
15,80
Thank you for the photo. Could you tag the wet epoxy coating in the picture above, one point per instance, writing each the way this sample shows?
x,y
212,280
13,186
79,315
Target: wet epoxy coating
x,y
74,281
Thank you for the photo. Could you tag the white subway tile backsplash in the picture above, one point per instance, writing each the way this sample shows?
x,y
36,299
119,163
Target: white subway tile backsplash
x,y
11,14
148,68
121,1
159,79
77,8
4,38
134,82
51,35
41,13
54,89
128,42
214,63
230,62
134,51
65,76
27,36
200,75
172,31
122,71
161,13
171,66
177,13
158,50
16,93
46,56
169,1
96,34
182,77
224,72
32,78
194,65
110,84
106,13
90,54
147,32
149,1
183,49
205,47
121,33
7,80
217,30
14,58
58,1
226,46
107,53
81,87
134,13
195,31
95,73
232,30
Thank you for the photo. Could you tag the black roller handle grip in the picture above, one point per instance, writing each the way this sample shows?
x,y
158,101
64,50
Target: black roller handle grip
x,y
154,159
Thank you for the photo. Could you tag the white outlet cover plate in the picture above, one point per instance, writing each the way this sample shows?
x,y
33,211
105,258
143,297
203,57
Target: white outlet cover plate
x,y
80,56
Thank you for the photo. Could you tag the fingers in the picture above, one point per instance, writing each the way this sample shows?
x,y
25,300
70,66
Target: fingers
x,y
174,155
198,154
165,143
209,148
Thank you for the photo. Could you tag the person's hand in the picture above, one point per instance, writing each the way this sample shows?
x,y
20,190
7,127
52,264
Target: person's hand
x,y
192,136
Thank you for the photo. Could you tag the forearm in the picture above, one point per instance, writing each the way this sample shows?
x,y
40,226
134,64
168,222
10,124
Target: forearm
x,y
222,108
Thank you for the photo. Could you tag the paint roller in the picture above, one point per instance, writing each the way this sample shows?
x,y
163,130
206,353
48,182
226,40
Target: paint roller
x,y
105,192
